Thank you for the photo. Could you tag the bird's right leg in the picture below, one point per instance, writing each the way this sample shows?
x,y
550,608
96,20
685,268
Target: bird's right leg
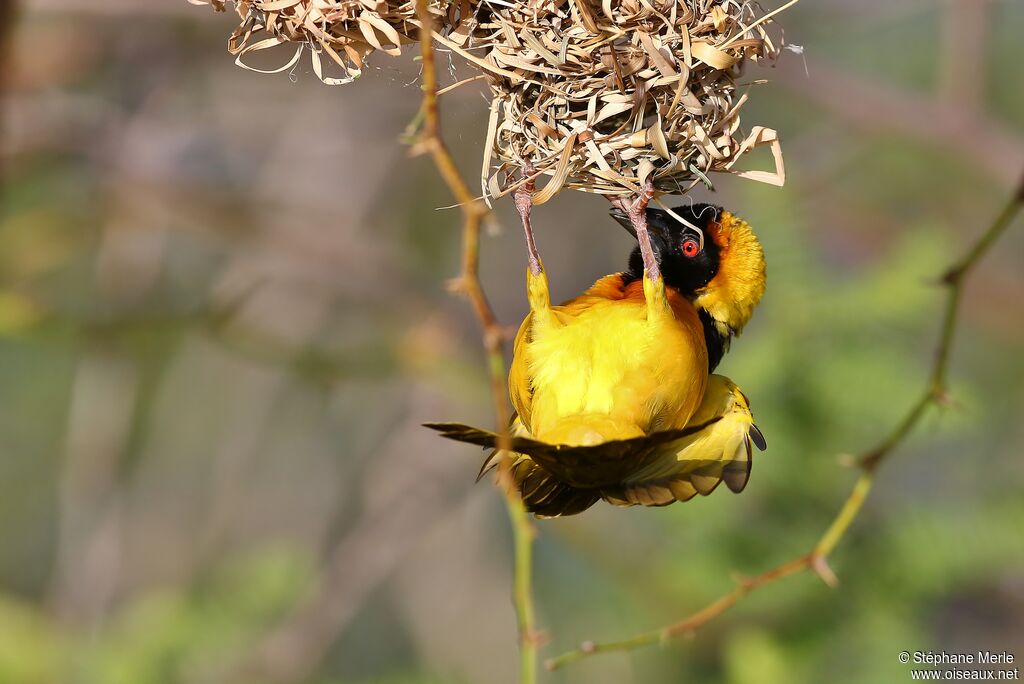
x,y
654,286
637,213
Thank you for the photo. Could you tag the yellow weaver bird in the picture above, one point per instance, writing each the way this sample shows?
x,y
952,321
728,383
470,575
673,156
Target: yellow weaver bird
x,y
613,390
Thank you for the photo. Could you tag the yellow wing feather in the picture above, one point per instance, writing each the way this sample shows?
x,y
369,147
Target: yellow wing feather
x,y
697,464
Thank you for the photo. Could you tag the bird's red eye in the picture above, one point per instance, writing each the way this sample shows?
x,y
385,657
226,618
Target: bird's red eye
x,y
690,248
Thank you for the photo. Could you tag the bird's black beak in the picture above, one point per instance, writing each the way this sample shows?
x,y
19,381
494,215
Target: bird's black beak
x,y
623,220
657,228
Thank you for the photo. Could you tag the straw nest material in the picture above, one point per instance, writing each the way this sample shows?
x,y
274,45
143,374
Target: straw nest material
x,y
340,31
601,95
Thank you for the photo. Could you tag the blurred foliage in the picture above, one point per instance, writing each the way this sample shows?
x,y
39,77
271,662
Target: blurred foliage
x,y
223,316
163,636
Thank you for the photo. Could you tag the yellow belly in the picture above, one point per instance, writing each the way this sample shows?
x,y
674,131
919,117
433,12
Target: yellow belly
x,y
600,370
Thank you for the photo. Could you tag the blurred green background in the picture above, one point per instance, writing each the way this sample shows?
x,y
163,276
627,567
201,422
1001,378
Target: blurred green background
x,y
223,316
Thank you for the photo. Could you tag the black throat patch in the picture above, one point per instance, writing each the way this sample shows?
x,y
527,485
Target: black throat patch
x,y
716,342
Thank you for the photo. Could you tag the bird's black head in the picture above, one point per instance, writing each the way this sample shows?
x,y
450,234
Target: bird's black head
x,y
688,259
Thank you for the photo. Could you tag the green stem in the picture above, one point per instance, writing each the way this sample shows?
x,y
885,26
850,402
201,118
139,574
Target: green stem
x,y
522,532
847,514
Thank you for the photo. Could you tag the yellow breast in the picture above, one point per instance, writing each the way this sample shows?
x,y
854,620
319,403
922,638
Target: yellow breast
x,y
598,368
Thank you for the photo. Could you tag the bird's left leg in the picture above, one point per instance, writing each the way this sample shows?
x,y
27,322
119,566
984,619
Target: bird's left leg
x,y
536,280
524,205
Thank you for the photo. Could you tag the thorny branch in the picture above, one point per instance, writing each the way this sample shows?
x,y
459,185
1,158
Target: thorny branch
x,y
934,393
474,211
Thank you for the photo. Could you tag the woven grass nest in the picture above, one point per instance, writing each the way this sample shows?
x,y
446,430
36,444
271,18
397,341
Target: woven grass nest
x,y
599,95
602,95
343,32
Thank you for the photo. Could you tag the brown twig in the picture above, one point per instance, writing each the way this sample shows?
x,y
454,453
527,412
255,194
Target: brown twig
x,y
474,211
934,393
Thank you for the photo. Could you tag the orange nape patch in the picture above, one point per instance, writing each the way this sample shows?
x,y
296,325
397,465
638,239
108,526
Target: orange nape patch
x,y
734,292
